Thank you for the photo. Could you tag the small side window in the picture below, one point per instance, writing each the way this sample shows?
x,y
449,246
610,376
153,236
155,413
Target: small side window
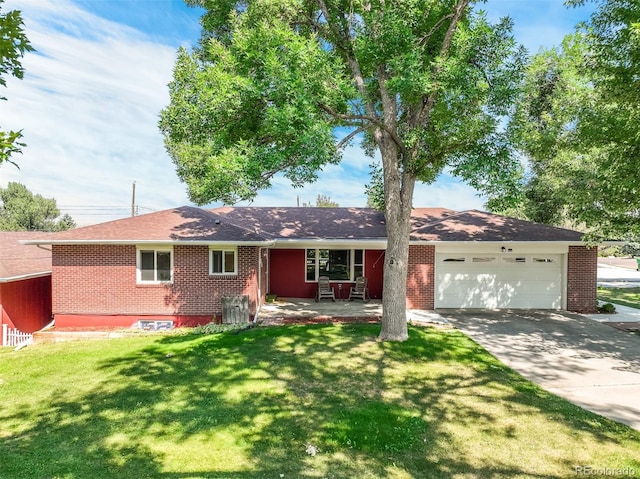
x,y
155,265
515,260
222,261
454,260
543,260
483,259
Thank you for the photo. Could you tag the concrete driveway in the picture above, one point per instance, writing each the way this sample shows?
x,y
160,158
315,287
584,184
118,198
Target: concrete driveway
x,y
590,364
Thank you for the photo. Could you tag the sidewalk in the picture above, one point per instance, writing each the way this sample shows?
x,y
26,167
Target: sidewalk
x,y
623,314
617,277
624,318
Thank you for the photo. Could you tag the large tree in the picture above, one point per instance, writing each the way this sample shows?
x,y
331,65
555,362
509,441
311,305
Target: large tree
x,y
424,82
578,125
21,210
13,45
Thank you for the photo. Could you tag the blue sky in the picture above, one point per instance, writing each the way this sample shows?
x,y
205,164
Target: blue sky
x,y
88,106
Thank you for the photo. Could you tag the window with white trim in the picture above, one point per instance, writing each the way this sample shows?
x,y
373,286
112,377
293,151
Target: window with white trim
x,y
337,264
519,259
155,265
483,259
223,261
543,260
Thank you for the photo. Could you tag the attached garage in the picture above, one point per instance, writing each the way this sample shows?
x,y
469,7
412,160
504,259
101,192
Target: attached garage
x,y
496,281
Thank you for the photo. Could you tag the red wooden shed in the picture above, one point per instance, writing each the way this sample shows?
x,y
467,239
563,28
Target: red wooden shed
x,y
25,282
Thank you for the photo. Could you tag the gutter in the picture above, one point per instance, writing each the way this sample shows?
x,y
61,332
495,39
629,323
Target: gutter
x,y
11,279
145,242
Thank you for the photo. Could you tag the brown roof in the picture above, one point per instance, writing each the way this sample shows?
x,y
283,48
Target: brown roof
x,y
310,223
17,260
474,225
264,225
184,224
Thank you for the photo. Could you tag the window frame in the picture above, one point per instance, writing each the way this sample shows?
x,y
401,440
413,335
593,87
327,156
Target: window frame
x,y
318,259
223,250
155,249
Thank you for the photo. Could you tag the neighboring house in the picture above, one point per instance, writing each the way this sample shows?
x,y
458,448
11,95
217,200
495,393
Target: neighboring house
x,y
177,264
25,282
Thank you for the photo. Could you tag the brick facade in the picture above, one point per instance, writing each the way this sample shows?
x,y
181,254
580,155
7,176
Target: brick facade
x,y
100,280
582,277
421,277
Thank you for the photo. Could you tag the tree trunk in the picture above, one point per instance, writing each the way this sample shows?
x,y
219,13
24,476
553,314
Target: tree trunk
x,y
398,196
394,291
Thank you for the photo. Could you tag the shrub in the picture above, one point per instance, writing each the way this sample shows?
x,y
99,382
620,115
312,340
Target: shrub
x,y
606,308
213,328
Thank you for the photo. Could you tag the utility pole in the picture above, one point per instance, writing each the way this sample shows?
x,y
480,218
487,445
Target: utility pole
x,y
133,199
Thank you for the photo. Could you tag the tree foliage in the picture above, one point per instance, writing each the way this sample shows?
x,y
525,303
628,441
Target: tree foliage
x,y
323,201
13,45
578,125
425,82
21,210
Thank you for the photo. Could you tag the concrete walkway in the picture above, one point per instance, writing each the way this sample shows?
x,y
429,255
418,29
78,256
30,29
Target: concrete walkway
x,y
588,363
617,277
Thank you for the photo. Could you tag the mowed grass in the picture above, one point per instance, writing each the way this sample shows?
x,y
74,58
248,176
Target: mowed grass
x,y
624,296
320,401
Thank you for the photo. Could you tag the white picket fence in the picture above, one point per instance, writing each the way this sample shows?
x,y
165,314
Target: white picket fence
x,y
15,337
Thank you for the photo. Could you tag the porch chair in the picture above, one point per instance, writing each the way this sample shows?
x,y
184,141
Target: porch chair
x,y
360,290
325,291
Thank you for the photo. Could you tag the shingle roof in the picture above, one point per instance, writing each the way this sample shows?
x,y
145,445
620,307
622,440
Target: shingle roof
x,y
184,224
309,223
258,225
18,260
474,225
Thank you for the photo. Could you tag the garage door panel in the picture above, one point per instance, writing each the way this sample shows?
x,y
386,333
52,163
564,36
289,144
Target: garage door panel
x,y
499,282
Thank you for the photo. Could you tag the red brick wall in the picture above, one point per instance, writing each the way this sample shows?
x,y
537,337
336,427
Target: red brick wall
x,y
582,277
421,277
101,280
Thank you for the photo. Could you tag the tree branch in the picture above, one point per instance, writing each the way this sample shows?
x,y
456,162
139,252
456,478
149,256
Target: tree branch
x,y
428,103
372,120
351,135
345,41
435,28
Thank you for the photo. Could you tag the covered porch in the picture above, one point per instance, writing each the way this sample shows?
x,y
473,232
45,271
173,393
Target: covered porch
x,y
285,310
295,310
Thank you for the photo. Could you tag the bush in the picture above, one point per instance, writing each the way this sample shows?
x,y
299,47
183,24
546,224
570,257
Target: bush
x,y
213,328
606,308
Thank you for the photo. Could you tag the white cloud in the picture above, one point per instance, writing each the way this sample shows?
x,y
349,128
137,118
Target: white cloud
x,y
88,107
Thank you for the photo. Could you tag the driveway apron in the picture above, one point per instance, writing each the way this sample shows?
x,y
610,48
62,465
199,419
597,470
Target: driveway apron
x,y
590,364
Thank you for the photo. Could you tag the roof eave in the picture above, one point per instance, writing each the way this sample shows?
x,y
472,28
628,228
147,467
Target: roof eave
x,y
368,242
499,242
148,242
22,277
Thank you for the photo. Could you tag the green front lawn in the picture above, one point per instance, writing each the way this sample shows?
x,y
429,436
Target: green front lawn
x,y
322,401
625,296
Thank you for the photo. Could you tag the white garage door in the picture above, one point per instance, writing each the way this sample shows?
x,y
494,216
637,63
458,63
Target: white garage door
x,y
498,281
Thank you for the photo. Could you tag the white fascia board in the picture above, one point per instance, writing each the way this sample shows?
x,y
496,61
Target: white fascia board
x,y
330,243
496,246
146,242
25,276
